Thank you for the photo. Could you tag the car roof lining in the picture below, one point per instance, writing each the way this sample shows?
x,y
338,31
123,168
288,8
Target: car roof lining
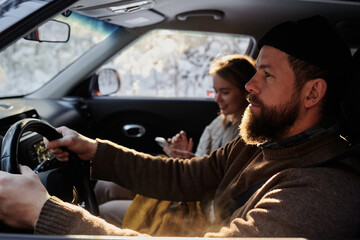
x,y
238,14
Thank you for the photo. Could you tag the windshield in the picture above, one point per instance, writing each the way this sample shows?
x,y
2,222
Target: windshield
x,y
25,66
12,11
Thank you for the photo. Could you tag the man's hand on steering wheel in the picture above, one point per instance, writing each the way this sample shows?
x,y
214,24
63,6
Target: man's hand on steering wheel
x,y
23,193
82,146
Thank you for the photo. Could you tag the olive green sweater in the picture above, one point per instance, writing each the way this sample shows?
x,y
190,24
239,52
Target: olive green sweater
x,y
317,202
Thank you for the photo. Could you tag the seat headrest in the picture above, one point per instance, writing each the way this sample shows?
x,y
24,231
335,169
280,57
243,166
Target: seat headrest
x,y
351,102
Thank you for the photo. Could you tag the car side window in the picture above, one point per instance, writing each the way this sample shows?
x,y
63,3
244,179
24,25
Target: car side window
x,y
169,63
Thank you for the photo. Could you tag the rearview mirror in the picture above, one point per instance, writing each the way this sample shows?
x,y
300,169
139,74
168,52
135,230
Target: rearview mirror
x,y
105,82
51,31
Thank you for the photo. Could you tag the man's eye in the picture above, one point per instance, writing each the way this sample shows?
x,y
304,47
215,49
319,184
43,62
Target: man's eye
x,y
267,74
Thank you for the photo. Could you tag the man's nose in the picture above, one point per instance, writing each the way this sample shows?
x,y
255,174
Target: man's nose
x,y
252,85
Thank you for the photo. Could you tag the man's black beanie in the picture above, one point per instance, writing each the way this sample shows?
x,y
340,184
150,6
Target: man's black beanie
x,y
315,41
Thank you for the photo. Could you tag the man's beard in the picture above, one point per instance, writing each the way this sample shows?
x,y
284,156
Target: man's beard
x,y
273,122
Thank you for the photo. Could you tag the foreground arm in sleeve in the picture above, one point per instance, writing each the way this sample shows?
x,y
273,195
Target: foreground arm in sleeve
x,y
60,218
158,177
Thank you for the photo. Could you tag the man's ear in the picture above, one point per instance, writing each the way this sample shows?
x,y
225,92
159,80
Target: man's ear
x,y
314,91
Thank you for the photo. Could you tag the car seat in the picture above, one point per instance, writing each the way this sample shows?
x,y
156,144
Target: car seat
x,y
350,104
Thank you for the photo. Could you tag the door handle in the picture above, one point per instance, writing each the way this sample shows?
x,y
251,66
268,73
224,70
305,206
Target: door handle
x,y
134,130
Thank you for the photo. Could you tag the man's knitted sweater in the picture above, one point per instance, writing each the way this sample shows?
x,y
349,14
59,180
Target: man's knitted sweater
x,y
295,201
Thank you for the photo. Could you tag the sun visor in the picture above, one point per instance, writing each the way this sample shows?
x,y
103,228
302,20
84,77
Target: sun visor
x,y
137,19
130,14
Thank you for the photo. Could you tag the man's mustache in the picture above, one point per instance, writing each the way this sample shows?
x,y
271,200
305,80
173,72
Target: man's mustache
x,y
251,98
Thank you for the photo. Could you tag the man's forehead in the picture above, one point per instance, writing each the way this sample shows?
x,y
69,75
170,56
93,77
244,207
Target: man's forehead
x,y
270,57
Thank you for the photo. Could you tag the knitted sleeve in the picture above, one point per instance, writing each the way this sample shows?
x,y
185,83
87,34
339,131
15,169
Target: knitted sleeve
x,y
60,218
158,177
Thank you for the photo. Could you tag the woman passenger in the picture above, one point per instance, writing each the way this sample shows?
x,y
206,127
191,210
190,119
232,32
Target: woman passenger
x,y
230,74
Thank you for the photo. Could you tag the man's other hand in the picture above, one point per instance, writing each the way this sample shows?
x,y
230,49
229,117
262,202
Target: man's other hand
x,y
22,197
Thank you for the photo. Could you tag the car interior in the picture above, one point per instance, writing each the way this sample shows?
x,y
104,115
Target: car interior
x,y
73,96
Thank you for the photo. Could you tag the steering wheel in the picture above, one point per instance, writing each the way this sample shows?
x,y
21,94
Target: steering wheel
x,y
61,181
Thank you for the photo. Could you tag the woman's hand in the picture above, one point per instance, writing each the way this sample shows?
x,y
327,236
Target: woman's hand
x,y
82,146
179,146
180,142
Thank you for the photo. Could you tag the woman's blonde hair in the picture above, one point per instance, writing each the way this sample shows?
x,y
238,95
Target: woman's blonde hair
x,y
237,69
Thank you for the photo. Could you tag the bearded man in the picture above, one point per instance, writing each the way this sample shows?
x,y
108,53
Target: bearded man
x,y
284,187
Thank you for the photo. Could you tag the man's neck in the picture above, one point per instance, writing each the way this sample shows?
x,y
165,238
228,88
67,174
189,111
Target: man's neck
x,y
327,126
306,120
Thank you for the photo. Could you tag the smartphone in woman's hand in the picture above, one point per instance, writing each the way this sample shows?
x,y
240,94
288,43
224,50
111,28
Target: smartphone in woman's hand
x,y
161,141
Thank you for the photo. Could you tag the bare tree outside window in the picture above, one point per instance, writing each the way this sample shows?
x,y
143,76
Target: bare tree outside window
x,y
167,63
